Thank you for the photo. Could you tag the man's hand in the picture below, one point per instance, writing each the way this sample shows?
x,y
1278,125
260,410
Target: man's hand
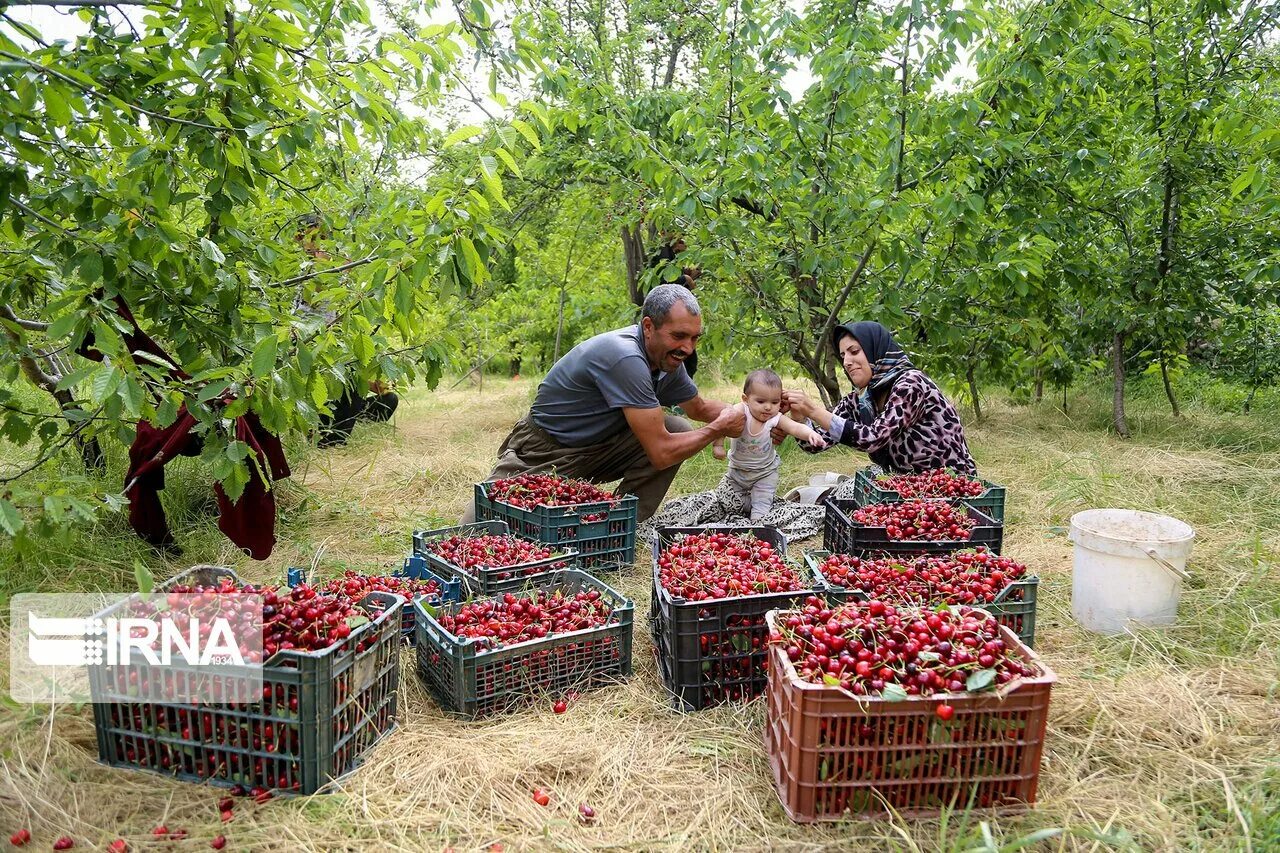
x,y
729,423
379,386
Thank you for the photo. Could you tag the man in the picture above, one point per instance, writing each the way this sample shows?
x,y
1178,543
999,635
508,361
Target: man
x,y
598,414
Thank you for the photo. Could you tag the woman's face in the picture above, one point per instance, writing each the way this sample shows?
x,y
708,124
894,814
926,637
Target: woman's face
x,y
855,362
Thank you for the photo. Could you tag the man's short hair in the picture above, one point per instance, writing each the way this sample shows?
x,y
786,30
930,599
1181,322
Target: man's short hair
x,y
660,301
765,378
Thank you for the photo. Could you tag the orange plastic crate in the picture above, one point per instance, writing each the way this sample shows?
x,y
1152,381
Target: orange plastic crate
x,y
834,756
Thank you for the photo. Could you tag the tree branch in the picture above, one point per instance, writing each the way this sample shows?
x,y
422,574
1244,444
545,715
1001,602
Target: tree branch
x,y
348,266
90,4
89,90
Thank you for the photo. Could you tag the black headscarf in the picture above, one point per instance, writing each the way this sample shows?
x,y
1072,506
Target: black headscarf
x,y
888,361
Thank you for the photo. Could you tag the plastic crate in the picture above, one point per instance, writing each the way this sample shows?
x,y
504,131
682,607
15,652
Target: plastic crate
x,y
842,535
834,755
415,568
321,712
714,651
607,543
469,682
489,580
1014,607
867,492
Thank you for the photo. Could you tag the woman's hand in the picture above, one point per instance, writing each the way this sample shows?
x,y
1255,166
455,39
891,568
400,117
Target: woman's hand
x,y
797,404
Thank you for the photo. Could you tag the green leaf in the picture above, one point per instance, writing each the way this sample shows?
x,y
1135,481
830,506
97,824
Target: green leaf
x,y
462,134
10,519
211,250
830,680
505,157
527,132
894,693
213,389
105,382
488,166
980,680
1244,181
264,357
56,106
143,577
357,621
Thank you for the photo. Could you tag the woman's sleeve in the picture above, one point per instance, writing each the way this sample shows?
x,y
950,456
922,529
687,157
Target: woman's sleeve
x,y
901,411
847,409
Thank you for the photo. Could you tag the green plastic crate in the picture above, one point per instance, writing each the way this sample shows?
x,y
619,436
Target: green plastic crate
x,y
1015,607
320,715
605,543
469,682
711,652
489,580
842,535
867,492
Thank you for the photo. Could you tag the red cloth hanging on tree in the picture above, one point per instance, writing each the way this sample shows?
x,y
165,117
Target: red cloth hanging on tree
x,y
248,522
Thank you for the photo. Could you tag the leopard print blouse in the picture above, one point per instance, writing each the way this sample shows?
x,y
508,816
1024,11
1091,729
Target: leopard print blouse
x,y
918,427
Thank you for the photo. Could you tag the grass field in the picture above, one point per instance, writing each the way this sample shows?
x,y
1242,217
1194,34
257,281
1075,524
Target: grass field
x,y
1158,740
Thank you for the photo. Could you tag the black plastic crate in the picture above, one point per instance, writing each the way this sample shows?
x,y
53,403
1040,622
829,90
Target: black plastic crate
x,y
867,492
320,712
607,542
715,651
842,535
490,580
469,682
1014,607
415,568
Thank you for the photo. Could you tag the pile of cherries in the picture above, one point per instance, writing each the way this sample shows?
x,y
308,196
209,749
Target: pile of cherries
x,y
707,566
509,619
874,648
967,577
920,520
939,483
527,491
472,553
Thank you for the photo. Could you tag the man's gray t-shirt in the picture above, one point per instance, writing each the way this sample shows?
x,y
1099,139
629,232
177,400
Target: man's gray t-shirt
x,y
580,402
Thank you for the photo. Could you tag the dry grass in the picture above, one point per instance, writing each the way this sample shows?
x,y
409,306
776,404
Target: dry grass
x,y
1164,736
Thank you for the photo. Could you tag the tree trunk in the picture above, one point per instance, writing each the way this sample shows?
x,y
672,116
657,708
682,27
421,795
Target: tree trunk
x,y
1117,399
90,450
560,319
1064,399
972,376
633,254
1168,387
1039,385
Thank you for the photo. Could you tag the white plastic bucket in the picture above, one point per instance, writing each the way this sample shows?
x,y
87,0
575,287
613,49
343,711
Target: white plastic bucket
x,y
1129,567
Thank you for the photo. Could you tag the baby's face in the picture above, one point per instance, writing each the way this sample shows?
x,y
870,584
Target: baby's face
x,y
762,402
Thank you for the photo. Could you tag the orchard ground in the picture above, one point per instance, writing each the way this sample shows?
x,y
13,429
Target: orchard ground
x,y
1159,740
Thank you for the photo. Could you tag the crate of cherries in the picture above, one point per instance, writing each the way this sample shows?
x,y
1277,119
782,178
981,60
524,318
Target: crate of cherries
x,y
872,708
916,526
711,589
559,511
566,632
330,676
488,558
1000,585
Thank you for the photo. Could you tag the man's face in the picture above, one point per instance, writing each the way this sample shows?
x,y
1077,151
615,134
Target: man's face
x,y
675,340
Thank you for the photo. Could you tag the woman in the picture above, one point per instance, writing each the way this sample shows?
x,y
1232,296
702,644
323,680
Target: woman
x,y
895,413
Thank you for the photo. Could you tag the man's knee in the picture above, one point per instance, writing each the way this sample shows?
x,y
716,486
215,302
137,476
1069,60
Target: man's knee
x,y
675,423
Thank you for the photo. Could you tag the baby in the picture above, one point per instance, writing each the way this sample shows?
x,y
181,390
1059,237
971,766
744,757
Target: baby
x,y
753,462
